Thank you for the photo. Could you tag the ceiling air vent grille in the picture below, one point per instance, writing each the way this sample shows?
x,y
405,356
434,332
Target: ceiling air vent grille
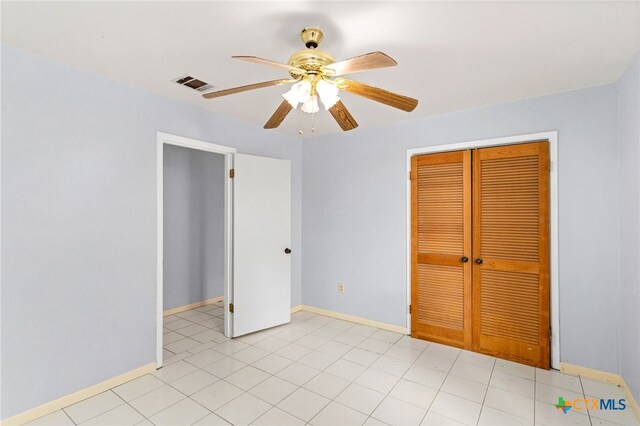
x,y
193,83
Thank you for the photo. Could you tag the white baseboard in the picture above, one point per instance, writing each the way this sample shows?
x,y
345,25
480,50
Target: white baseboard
x,y
65,401
603,376
190,306
352,318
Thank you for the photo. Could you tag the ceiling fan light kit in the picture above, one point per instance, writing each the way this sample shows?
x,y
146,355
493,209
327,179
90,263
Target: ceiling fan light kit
x,y
307,92
314,73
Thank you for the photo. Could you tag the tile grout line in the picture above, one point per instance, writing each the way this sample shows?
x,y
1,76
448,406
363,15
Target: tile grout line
x,y
584,396
442,384
401,377
486,392
99,414
127,403
535,389
67,414
177,402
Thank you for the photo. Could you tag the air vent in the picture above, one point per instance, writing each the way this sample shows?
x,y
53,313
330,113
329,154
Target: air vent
x,y
193,83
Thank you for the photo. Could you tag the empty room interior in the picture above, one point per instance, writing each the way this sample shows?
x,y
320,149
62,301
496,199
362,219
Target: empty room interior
x,y
194,231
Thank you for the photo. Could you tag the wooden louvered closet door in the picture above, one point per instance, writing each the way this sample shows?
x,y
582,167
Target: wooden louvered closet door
x,y
441,248
511,252
498,302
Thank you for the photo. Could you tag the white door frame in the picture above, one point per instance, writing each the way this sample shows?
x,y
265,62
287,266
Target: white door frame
x,y
169,139
552,137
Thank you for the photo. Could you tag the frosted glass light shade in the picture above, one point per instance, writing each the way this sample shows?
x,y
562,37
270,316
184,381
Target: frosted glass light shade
x,y
328,102
328,93
299,93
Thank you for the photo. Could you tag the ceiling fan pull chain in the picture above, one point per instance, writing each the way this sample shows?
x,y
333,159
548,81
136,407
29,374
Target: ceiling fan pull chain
x,y
312,123
300,132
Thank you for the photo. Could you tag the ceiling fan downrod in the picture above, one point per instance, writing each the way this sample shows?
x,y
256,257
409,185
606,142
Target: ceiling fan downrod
x,y
311,37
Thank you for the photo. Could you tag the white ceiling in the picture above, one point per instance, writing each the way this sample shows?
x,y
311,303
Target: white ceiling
x,y
451,55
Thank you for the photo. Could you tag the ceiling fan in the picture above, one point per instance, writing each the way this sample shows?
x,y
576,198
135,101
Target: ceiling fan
x,y
315,74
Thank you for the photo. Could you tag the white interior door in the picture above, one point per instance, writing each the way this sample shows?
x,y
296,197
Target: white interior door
x,y
261,290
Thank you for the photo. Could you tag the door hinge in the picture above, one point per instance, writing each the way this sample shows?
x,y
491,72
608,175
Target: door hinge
x,y
409,308
409,175
231,307
232,173
549,331
549,165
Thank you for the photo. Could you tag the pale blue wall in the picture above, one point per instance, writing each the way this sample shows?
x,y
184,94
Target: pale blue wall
x,y
628,89
193,220
79,221
354,221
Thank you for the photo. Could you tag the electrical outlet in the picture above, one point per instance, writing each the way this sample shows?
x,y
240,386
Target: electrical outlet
x,y
340,288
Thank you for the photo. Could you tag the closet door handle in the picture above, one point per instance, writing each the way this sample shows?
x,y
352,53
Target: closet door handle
x,y
287,250
479,261
464,259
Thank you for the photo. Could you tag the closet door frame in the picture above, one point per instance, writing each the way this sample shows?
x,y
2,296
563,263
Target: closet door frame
x,y
552,137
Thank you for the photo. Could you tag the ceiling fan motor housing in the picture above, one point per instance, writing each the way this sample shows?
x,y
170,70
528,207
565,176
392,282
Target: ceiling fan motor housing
x,y
311,59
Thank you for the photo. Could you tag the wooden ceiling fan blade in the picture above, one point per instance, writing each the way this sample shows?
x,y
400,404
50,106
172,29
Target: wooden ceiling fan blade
x,y
239,89
368,61
404,103
277,117
343,116
267,62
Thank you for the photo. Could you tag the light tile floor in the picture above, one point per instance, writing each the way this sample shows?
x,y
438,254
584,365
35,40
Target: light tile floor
x,y
322,371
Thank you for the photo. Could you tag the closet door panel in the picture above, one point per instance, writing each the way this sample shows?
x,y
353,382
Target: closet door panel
x,y
511,252
441,238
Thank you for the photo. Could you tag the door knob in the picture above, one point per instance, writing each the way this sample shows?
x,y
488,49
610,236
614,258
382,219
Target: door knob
x,y
287,250
464,259
479,261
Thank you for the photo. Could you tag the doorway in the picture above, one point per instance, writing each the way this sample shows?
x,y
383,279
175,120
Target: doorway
x,y
465,303
191,152
257,241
